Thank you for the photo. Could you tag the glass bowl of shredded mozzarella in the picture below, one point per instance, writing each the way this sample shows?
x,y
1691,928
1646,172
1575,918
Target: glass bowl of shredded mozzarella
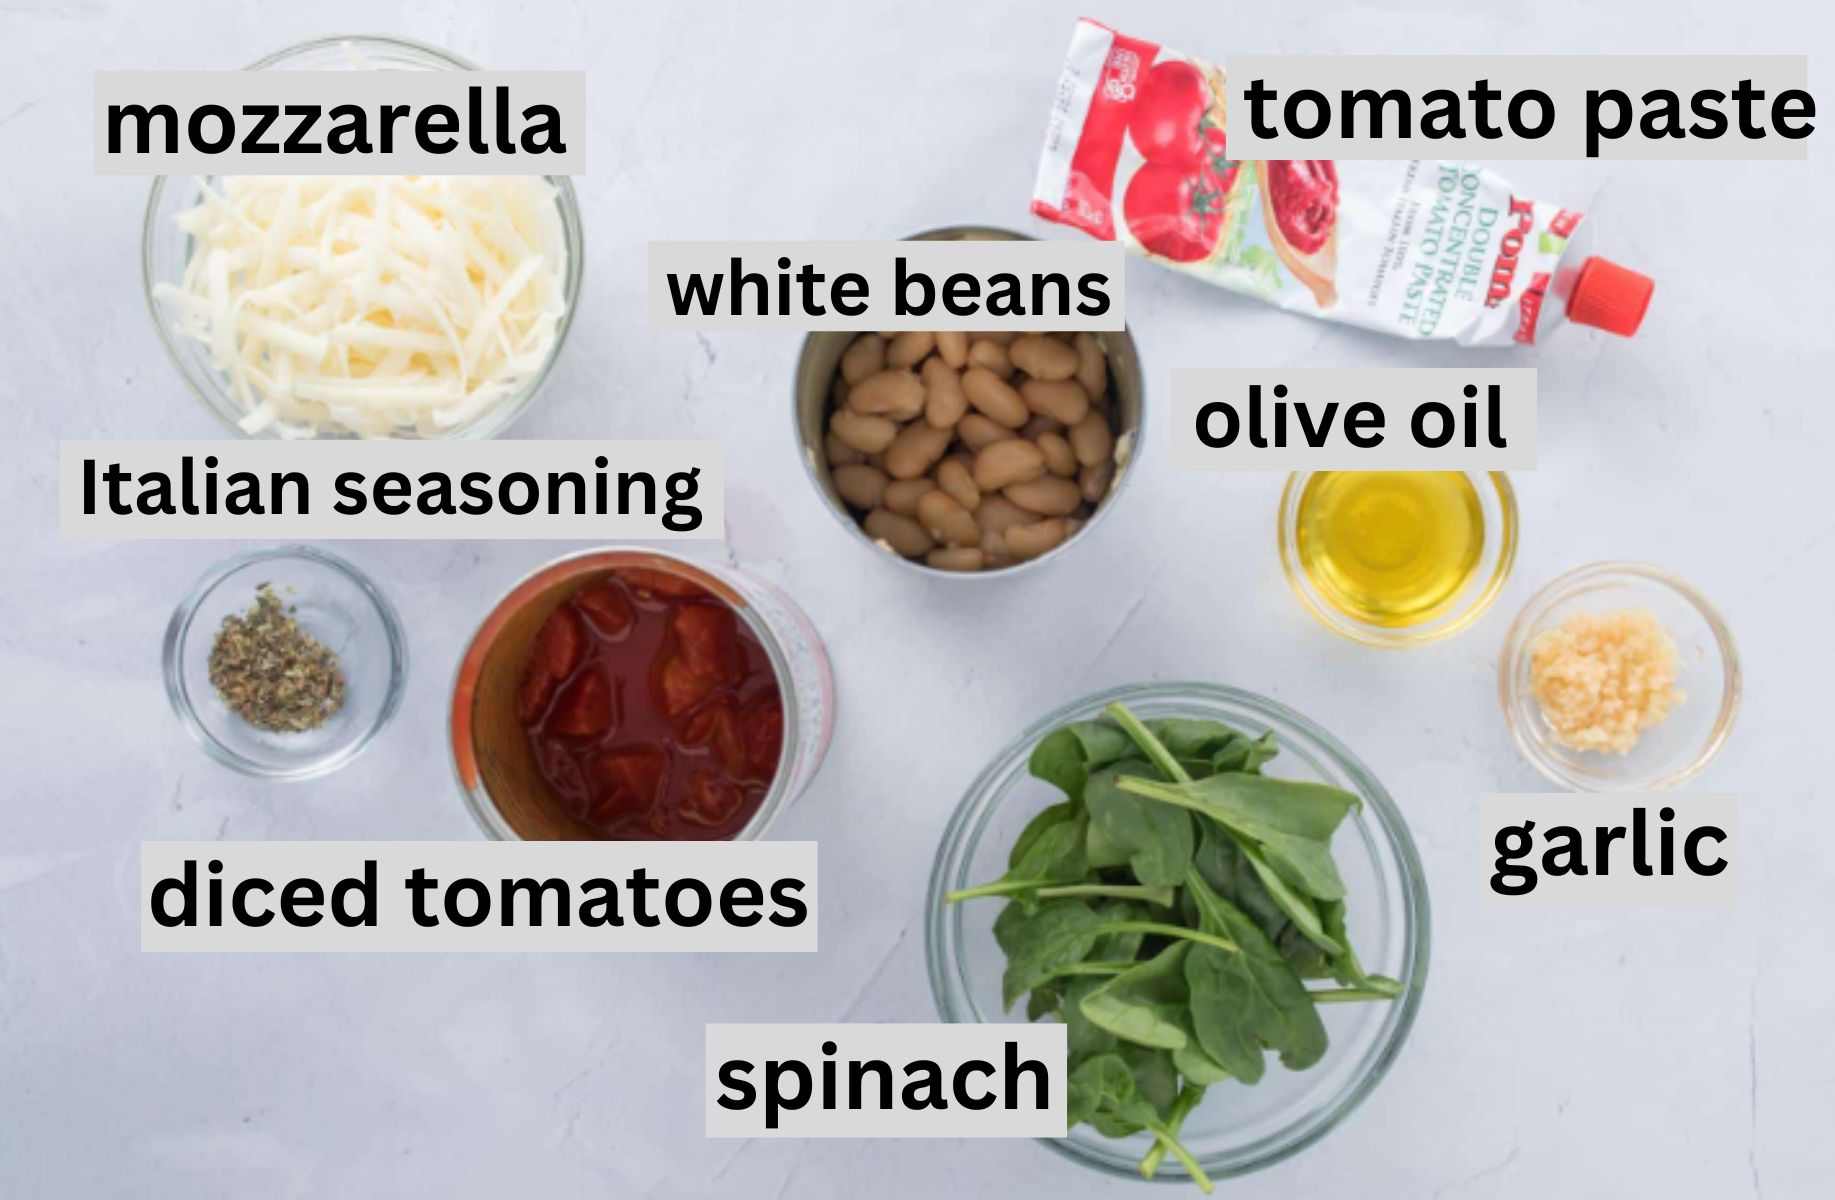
x,y
400,306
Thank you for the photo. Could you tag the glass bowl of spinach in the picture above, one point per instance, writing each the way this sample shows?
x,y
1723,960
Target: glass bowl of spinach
x,y
1217,897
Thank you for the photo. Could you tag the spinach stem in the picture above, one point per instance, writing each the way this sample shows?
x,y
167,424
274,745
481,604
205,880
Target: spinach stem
x,y
1095,968
1172,931
1151,746
1147,789
1161,896
1186,1160
1046,890
1350,995
1189,1096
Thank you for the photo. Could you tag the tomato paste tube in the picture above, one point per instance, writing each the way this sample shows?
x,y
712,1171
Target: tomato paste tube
x,y
1136,152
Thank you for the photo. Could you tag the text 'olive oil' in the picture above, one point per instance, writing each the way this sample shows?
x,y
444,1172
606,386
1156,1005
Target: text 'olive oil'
x,y
1389,548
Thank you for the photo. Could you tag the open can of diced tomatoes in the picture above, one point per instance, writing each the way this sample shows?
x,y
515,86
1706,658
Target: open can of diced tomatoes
x,y
628,694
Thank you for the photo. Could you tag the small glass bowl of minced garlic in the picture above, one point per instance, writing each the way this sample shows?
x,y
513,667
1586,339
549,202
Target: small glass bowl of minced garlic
x,y
285,663
1619,677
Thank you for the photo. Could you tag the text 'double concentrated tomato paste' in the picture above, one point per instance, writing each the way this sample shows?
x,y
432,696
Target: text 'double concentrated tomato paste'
x,y
1136,153
651,709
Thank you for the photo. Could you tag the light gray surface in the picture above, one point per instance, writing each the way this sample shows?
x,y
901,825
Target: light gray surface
x,y
1642,1053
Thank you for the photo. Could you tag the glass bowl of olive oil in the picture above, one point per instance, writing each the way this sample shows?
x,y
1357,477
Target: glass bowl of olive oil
x,y
1397,558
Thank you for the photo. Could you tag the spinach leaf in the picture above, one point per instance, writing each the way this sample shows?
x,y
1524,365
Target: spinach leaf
x,y
1308,959
1043,1000
1299,907
1246,756
1056,853
1056,936
1289,821
1082,1037
1102,1092
1100,1082
1306,865
1291,901
1156,1080
1224,866
1262,806
1189,737
1344,967
1241,1002
1195,1063
1115,1125
1238,872
1157,838
1145,1004
1102,853
1066,756
1044,822
1210,747
1195,745
1122,945
1110,955
1040,939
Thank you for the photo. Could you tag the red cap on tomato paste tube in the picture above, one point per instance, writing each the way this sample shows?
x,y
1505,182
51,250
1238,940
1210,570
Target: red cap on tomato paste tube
x,y
1609,297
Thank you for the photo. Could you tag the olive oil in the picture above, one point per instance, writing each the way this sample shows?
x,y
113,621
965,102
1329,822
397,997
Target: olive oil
x,y
1389,548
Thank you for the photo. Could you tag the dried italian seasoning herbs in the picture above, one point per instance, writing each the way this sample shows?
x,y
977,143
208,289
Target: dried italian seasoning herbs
x,y
272,673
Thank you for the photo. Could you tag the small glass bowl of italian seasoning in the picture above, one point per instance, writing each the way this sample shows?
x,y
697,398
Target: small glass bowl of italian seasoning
x,y
285,663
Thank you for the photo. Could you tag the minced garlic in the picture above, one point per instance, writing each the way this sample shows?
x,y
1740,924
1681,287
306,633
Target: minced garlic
x,y
1602,679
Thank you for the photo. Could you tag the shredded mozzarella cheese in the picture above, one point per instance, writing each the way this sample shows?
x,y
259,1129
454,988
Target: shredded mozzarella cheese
x,y
372,305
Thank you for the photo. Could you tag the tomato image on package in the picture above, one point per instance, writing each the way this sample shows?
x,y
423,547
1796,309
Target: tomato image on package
x,y
1136,151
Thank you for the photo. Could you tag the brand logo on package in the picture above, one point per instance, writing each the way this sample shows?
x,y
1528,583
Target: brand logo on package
x,y
353,122
1124,69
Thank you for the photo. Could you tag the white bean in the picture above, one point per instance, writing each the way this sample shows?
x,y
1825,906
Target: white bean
x,y
909,348
903,534
1092,366
860,485
945,402
947,521
1049,496
902,495
1092,439
893,393
1060,459
957,558
1043,357
864,356
915,450
1030,541
956,476
1013,460
869,435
